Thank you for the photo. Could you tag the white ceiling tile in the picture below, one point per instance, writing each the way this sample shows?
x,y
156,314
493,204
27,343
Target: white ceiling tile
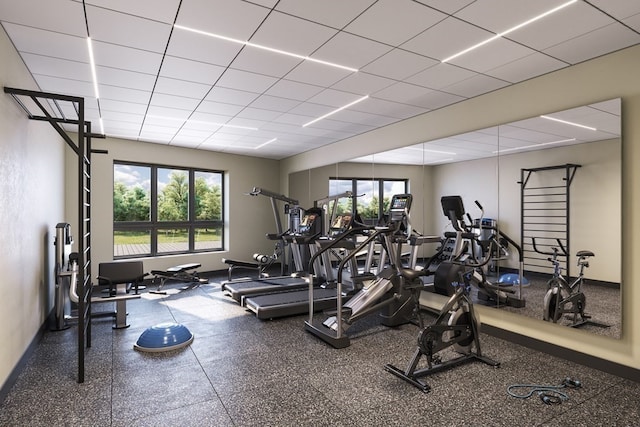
x,y
258,114
65,86
243,80
334,13
126,58
193,71
127,30
594,43
316,74
527,67
124,108
167,115
351,51
333,98
512,13
264,62
618,9
288,33
60,16
164,11
188,45
125,95
274,103
440,76
245,122
173,101
387,108
124,78
56,67
309,110
474,86
181,88
407,94
231,96
230,18
492,55
446,6
555,28
398,64
363,83
633,22
372,120
202,120
394,21
219,108
47,43
458,34
293,90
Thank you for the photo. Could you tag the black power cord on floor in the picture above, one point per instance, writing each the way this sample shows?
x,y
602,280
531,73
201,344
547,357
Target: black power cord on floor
x,y
549,394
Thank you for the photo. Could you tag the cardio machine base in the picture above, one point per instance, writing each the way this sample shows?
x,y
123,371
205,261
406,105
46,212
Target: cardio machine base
x,y
413,377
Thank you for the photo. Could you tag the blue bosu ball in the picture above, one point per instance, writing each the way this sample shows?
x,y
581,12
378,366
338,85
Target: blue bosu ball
x,y
164,337
512,279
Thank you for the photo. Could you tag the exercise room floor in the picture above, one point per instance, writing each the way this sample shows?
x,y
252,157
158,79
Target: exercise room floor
x,y
241,371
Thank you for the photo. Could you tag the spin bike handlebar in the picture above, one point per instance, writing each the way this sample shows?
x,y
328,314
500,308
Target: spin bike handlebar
x,y
563,251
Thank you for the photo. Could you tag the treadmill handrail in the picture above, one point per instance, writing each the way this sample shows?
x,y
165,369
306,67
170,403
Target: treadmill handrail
x,y
334,243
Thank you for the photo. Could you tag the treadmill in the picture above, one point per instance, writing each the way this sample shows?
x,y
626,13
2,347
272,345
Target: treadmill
x,y
294,302
308,227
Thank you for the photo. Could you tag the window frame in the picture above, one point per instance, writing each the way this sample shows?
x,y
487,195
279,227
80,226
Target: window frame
x,y
153,225
380,181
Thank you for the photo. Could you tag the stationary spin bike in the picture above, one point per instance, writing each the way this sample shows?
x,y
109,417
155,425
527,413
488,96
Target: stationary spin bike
x,y
564,298
456,326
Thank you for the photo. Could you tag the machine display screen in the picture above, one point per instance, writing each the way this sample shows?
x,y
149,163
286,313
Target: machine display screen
x,y
399,203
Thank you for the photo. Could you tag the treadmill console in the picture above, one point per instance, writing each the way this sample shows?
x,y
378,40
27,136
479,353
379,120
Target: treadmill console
x,y
341,224
400,205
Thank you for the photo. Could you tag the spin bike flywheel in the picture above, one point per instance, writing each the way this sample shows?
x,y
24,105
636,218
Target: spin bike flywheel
x,y
435,338
555,294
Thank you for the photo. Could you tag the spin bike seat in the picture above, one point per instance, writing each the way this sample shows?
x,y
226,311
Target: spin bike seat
x,y
584,253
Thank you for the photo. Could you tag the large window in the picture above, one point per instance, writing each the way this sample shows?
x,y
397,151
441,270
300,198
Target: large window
x,y
159,210
368,194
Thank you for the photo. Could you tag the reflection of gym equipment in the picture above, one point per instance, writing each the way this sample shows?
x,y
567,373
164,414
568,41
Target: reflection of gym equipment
x,y
468,248
564,298
184,273
456,326
390,292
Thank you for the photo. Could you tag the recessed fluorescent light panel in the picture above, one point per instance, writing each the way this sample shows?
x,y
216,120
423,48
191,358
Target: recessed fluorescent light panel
x,y
569,123
533,146
510,30
92,63
335,111
267,48
265,143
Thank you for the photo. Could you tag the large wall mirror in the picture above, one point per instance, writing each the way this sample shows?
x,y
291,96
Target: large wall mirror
x,y
552,177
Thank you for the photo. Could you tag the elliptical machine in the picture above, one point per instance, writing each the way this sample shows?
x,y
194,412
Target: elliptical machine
x,y
390,293
465,245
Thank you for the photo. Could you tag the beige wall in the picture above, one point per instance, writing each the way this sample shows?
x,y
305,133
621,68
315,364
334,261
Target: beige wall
x,y
611,76
31,204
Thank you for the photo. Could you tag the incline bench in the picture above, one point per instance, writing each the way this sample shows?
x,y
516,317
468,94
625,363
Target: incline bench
x,y
183,273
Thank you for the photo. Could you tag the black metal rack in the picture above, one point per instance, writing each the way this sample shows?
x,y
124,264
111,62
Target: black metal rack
x,y
59,111
545,213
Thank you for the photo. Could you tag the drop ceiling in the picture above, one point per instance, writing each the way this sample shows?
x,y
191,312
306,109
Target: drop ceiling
x,y
213,74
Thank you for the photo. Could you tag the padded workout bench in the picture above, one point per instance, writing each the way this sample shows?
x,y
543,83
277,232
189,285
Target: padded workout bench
x,y
182,273
119,277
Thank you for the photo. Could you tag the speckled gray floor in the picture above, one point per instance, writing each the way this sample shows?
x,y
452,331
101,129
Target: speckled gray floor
x,y
241,371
